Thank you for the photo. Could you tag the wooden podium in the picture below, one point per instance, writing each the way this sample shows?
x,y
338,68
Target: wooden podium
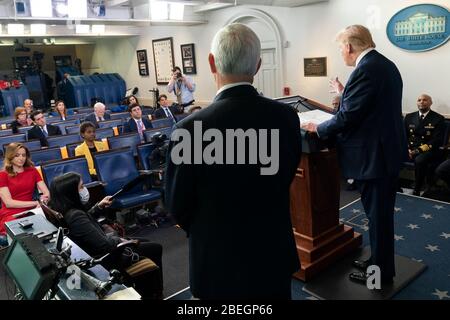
x,y
320,238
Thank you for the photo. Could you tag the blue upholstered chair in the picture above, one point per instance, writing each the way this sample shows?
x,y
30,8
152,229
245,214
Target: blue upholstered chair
x,y
159,123
117,168
79,165
144,151
125,140
63,140
44,155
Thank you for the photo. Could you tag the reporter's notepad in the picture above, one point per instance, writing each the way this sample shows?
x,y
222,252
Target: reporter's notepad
x,y
315,116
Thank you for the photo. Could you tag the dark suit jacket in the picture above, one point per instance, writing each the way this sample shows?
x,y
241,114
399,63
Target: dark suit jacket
x,y
160,114
430,131
15,125
91,118
238,221
131,126
370,134
62,89
36,133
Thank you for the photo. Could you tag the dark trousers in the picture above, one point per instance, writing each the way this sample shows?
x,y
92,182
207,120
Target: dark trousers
x,y
424,164
150,285
378,199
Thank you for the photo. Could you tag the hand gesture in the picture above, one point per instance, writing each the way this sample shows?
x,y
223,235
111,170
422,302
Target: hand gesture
x,y
336,86
106,202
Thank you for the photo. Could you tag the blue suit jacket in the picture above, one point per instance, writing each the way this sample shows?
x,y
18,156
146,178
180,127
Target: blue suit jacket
x,y
369,128
130,125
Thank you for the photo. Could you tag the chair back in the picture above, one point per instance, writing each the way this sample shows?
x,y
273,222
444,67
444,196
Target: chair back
x,y
125,140
73,129
53,216
63,140
6,132
103,133
144,151
34,144
54,169
63,124
120,115
110,123
447,133
71,149
12,138
165,122
44,155
115,168
24,129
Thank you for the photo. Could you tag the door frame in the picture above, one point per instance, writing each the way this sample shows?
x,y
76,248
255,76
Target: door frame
x,y
269,22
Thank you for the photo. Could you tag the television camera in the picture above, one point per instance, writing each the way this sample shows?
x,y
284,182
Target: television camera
x,y
37,270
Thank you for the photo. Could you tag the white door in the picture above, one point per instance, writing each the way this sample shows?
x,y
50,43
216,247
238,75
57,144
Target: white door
x,y
265,79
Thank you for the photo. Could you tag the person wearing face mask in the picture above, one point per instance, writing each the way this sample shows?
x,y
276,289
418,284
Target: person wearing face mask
x,y
70,198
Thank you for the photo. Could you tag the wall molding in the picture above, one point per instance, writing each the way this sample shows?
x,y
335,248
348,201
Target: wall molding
x,y
271,23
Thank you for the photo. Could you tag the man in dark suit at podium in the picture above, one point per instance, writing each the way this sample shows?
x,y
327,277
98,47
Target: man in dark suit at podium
x,y
237,215
371,141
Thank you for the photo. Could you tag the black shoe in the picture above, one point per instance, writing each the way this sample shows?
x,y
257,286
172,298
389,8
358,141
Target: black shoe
x,y
351,187
361,264
358,276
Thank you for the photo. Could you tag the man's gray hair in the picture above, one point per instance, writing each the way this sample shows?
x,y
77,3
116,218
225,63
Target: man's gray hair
x,y
237,50
99,105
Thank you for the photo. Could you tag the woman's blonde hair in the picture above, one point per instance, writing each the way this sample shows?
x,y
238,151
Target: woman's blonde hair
x,y
18,111
10,154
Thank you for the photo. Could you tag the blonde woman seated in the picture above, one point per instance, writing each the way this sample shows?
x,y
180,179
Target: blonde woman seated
x,y
18,180
87,132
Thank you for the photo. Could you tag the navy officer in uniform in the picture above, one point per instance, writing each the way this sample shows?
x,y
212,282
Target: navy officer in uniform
x,y
425,132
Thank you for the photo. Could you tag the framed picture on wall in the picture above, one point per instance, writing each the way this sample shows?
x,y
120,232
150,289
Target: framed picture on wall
x,y
188,58
163,58
142,62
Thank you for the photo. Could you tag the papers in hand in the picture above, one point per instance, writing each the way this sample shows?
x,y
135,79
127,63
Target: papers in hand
x,y
315,116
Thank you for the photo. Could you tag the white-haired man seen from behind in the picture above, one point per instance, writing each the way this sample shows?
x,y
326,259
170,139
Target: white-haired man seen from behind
x,y
237,219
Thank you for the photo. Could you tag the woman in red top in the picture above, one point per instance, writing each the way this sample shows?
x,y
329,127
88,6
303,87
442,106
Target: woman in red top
x,y
18,180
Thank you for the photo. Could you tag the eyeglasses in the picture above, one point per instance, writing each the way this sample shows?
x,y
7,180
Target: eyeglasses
x,y
22,114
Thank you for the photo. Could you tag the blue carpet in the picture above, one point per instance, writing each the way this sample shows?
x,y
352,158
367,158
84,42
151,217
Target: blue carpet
x,y
422,232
